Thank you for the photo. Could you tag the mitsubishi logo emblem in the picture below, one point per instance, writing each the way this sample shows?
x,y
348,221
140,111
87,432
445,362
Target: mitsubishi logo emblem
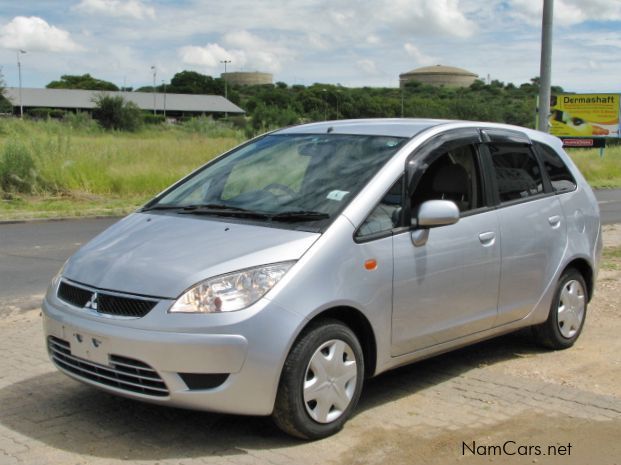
x,y
92,303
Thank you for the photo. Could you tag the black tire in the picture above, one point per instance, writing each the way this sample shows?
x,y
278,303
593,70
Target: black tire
x,y
550,333
291,412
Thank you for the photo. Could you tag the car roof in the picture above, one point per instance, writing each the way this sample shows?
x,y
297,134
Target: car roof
x,y
405,127
396,127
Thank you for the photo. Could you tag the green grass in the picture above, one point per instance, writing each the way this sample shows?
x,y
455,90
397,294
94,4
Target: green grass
x,y
611,258
50,169
601,172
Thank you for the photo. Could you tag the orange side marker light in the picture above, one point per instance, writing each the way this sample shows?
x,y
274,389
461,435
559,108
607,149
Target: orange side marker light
x,y
370,264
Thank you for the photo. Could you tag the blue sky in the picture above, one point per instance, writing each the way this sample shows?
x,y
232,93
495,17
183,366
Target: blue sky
x,y
350,42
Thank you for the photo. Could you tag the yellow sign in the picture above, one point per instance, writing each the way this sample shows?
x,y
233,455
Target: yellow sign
x,y
584,115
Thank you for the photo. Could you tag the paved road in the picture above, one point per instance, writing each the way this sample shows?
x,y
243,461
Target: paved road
x,y
610,205
31,253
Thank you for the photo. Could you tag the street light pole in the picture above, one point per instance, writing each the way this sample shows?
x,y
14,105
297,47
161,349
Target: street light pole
x,y
545,72
19,72
226,92
164,84
154,76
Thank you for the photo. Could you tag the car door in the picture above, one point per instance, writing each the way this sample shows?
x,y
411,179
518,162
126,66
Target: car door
x,y
532,224
446,286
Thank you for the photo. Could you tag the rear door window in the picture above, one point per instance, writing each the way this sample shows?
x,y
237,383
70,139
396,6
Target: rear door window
x,y
517,171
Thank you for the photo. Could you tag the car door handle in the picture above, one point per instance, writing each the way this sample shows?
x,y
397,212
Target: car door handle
x,y
554,220
487,238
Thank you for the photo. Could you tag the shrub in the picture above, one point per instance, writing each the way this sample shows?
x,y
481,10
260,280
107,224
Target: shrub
x,y
150,118
116,113
17,168
39,113
82,121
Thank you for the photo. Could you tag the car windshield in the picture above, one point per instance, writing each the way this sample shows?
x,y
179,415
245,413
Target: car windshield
x,y
283,178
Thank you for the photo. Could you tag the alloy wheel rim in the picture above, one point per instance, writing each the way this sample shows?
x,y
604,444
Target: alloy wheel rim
x,y
330,381
571,307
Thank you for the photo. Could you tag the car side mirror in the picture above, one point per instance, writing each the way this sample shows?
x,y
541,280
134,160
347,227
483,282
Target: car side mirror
x,y
432,214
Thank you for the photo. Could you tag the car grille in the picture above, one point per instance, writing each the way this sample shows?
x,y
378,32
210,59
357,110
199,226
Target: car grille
x,y
123,373
105,303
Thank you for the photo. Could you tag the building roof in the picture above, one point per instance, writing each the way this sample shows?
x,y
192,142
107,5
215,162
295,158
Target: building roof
x,y
85,99
439,69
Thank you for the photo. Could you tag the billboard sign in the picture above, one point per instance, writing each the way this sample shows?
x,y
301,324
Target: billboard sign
x,y
584,115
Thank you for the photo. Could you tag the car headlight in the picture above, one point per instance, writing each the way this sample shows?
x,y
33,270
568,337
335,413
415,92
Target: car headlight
x,y
231,292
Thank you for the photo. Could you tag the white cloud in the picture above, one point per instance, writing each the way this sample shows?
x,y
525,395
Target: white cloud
x,y
36,35
421,17
368,66
244,49
567,12
421,58
210,55
135,9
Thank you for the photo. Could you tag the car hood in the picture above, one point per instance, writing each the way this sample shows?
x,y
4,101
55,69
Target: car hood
x,y
162,255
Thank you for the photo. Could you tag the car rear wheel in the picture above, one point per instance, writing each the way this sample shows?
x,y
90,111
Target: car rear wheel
x,y
321,381
567,313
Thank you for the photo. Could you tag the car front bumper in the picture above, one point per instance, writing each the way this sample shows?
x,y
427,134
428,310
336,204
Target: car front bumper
x,y
232,368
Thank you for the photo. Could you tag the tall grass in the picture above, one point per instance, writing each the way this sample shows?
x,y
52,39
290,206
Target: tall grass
x,y
601,172
67,160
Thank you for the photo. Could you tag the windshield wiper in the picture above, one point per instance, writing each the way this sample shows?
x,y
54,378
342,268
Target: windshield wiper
x,y
161,207
300,215
229,210
213,206
222,210
192,207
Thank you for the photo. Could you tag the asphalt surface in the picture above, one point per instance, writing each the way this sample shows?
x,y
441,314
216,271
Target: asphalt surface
x,y
610,205
31,253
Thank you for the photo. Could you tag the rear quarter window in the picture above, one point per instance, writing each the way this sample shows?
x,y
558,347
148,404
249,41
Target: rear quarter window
x,y
560,176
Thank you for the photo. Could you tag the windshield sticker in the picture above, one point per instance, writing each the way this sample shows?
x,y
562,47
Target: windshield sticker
x,y
337,195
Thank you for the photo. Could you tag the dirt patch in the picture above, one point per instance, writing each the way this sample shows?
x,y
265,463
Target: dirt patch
x,y
531,438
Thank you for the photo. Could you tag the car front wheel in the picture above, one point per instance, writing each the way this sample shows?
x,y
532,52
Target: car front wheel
x,y
321,381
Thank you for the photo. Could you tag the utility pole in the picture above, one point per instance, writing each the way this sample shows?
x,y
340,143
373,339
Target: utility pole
x,y
154,76
402,98
226,91
325,104
545,72
19,72
164,84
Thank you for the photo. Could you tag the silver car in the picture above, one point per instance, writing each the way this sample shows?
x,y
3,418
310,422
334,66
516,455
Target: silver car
x,y
279,276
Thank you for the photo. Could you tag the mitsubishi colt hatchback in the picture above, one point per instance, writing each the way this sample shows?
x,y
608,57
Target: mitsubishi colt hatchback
x,y
279,276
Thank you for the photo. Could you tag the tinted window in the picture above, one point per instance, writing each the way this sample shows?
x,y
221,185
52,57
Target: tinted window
x,y
386,215
517,171
560,177
455,176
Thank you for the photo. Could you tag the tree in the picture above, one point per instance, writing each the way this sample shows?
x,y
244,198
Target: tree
x,y
5,105
85,81
117,113
191,82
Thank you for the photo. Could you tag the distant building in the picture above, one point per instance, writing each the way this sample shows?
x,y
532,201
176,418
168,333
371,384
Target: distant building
x,y
439,75
241,78
84,100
